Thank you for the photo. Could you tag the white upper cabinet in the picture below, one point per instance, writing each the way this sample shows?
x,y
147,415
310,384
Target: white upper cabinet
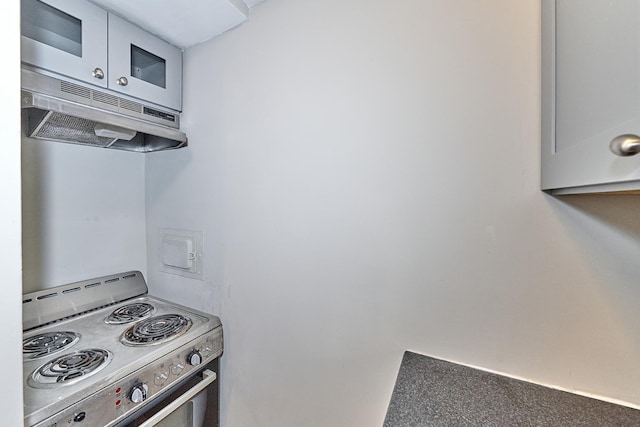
x,y
590,95
67,37
144,66
80,40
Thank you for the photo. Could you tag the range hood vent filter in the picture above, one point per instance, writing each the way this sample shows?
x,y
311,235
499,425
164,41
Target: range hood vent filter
x,y
61,127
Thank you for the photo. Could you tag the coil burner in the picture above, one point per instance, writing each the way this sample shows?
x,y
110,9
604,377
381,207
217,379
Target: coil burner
x,y
47,343
70,368
156,330
129,313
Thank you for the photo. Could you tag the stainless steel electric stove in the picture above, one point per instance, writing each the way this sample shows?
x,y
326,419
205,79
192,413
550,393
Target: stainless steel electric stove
x,y
102,352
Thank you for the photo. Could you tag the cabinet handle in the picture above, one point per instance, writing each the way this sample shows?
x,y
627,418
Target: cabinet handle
x,y
625,145
98,73
122,81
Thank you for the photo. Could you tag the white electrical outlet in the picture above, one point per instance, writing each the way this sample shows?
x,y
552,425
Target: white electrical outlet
x,y
180,252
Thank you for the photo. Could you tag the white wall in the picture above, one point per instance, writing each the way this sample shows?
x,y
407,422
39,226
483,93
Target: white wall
x,y
10,262
83,213
367,178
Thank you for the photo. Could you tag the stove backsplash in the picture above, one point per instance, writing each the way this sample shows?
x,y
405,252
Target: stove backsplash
x,y
83,213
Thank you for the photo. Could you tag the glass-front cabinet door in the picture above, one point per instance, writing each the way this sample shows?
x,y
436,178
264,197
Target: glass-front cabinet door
x,y
66,37
144,66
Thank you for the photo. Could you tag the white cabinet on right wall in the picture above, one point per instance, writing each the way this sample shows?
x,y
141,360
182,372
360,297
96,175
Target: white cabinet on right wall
x,y
590,96
144,66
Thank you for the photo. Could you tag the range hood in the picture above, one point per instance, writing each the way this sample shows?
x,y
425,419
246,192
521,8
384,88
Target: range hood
x,y
64,111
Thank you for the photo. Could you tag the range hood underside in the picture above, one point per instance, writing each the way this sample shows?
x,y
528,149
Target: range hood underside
x,y
54,126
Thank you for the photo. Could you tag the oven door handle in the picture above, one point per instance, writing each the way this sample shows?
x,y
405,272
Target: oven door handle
x,y
208,377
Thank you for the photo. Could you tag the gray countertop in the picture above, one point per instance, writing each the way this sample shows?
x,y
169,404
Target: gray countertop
x,y
433,392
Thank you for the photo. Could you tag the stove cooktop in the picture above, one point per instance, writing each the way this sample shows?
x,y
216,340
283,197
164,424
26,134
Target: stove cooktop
x,y
68,360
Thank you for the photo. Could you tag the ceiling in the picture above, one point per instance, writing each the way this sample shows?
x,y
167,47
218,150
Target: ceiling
x,y
179,25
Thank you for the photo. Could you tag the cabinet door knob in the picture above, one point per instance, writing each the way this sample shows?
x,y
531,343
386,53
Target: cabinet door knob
x,y
625,145
98,73
122,81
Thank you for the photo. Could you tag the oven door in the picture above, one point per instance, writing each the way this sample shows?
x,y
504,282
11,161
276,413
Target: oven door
x,y
192,404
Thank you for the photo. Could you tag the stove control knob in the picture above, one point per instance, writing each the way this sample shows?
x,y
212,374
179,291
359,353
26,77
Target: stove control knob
x,y
194,358
138,393
177,368
161,378
206,349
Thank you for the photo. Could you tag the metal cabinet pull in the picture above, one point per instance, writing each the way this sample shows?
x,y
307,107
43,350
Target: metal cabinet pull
x,y
208,377
98,73
122,81
625,145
